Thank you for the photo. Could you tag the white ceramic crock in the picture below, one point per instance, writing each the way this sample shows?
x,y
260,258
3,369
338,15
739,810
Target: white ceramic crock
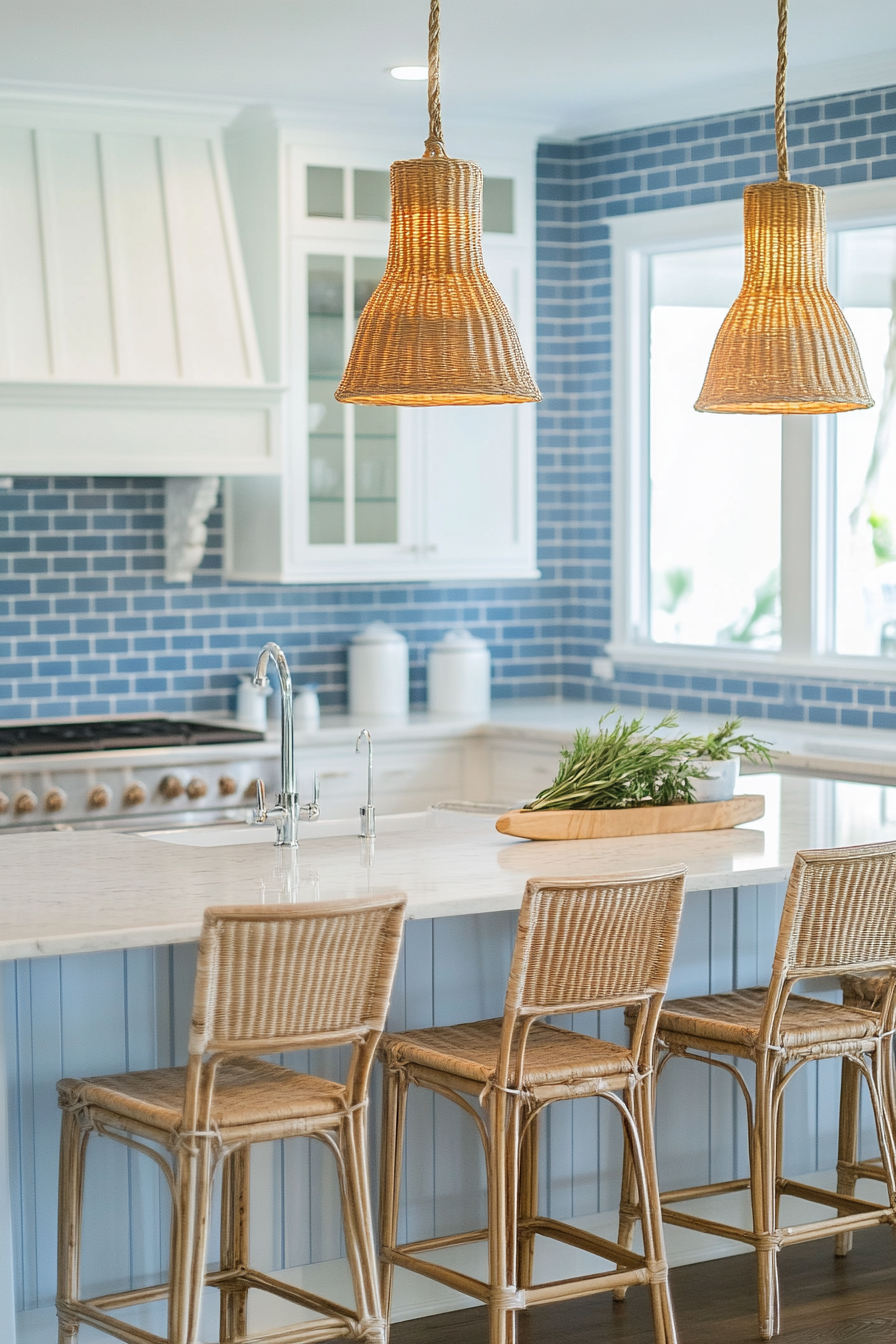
x,y
378,678
721,777
459,676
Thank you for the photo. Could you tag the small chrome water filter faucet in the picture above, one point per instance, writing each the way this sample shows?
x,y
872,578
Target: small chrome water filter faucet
x,y
287,813
368,813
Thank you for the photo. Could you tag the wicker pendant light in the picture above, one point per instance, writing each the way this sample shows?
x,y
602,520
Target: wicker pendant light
x,y
785,347
435,331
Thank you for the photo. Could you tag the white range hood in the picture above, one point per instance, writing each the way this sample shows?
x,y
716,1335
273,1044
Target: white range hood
x,y
127,341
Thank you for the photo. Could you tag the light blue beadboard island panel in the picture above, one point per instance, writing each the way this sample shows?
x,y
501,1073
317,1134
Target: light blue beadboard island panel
x,y
112,1011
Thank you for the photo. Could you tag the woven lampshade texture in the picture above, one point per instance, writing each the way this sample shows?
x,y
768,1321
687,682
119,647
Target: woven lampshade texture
x,y
435,331
785,346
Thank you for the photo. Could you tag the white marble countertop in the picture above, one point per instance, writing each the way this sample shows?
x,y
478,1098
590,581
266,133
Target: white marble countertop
x,y
83,891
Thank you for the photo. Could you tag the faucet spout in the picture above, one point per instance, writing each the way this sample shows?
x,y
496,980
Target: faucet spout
x,y
287,813
368,813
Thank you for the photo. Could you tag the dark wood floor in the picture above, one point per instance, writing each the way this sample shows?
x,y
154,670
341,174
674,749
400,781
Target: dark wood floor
x,y
825,1301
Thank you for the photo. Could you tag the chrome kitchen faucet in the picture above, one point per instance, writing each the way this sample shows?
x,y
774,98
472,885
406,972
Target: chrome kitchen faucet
x,y
287,814
368,813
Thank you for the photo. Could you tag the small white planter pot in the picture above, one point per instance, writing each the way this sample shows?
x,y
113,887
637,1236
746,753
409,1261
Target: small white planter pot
x,y
721,777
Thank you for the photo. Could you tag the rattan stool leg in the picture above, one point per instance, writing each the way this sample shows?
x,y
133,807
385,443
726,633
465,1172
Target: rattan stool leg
x,y
848,1140
528,1197
503,1206
357,1215
72,1152
395,1095
764,1189
189,1234
643,1160
234,1240
629,1213
882,1088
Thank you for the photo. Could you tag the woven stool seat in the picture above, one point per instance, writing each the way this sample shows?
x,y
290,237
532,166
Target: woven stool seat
x,y
839,920
554,1056
270,980
734,1020
582,945
248,1092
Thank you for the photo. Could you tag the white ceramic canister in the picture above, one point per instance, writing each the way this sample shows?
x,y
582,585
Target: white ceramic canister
x,y
721,777
306,708
378,673
251,710
459,676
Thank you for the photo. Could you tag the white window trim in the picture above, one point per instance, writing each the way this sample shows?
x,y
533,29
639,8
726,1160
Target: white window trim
x,y
807,466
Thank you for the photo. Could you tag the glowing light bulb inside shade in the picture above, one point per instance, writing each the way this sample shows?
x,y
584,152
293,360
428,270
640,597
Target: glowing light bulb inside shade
x,y
409,72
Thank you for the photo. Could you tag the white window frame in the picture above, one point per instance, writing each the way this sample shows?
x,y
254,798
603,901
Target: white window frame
x,y
807,460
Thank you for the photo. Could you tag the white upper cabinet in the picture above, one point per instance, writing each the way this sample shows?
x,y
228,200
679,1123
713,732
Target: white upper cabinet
x,y
372,493
127,338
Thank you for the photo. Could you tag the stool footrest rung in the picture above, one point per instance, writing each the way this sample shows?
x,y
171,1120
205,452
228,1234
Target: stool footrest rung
x,y
583,1241
436,1243
563,1290
815,1195
832,1227
86,1314
454,1279
708,1225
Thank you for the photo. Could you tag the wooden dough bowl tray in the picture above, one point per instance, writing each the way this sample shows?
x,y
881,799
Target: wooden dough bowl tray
x,y
613,823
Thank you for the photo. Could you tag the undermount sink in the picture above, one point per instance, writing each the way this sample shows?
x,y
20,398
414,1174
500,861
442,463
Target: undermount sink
x,y
243,833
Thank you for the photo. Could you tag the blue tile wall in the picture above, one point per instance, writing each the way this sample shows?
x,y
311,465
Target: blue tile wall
x,y
581,185
89,626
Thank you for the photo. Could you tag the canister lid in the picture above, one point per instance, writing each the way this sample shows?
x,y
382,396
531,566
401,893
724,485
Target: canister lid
x,y
379,633
459,641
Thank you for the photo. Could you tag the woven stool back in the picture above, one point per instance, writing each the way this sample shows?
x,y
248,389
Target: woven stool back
x,y
294,977
839,913
583,945
587,944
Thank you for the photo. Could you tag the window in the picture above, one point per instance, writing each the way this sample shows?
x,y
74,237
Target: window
x,y
715,481
866,452
763,537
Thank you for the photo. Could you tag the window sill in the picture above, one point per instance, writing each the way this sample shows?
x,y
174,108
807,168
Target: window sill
x,y
696,658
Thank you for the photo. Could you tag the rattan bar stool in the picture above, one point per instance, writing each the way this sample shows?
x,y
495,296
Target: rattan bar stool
x,y
839,919
267,980
581,945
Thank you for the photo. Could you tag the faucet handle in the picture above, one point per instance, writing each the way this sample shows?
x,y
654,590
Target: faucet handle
x,y
260,815
311,811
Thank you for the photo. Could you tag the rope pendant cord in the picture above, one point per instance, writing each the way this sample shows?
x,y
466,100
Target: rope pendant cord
x,y
435,147
780,110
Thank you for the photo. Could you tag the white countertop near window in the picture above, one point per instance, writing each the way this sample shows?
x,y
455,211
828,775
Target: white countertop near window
x,y
87,891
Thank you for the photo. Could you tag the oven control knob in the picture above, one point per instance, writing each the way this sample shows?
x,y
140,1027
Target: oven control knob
x,y
54,800
134,794
24,802
227,786
99,796
170,787
197,788
4,804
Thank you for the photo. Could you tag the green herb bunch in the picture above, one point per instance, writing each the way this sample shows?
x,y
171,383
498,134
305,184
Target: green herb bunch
x,y
621,766
726,742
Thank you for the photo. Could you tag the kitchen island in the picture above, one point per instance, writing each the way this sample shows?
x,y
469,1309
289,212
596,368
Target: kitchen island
x,y
98,929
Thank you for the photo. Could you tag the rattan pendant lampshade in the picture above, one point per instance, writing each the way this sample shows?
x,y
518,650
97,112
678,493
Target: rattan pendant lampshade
x,y
435,331
784,347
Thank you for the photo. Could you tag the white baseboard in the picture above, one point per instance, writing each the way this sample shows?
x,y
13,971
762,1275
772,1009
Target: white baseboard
x,y
416,1296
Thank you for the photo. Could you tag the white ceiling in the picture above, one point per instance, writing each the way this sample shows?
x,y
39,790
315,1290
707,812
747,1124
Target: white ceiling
x,y
568,66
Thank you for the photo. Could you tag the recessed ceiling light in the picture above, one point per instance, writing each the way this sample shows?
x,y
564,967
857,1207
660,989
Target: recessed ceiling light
x,y
409,72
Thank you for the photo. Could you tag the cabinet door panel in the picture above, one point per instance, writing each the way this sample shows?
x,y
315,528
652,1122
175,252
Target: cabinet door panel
x,y
471,473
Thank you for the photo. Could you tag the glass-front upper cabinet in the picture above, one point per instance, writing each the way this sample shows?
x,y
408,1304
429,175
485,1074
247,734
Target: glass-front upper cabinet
x,y
373,493
352,450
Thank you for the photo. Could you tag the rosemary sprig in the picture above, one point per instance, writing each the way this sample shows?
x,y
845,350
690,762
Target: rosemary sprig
x,y
621,766
726,742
